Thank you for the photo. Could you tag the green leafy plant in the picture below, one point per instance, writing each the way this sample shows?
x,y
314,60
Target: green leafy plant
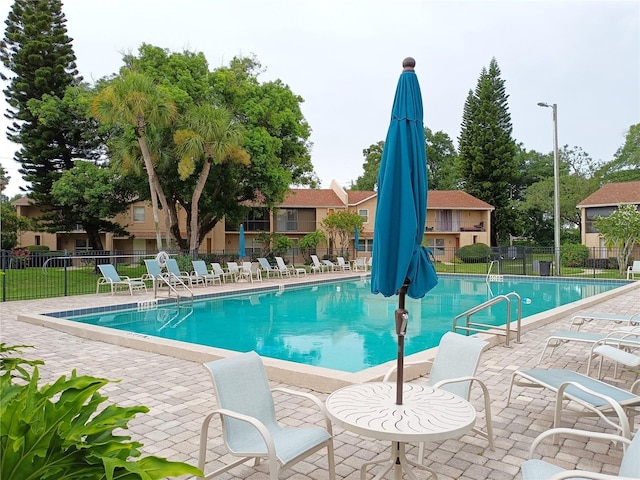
x,y
476,253
574,255
57,431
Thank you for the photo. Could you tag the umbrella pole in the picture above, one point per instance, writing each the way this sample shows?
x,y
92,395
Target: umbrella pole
x,y
402,316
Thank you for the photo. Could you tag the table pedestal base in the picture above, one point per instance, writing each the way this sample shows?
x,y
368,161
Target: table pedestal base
x,y
399,462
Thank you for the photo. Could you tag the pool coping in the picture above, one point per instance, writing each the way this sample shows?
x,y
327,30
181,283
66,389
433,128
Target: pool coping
x,y
305,376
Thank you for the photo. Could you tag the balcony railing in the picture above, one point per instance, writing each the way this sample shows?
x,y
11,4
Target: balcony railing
x,y
448,227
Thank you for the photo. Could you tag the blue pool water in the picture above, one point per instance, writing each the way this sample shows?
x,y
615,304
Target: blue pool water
x,y
339,325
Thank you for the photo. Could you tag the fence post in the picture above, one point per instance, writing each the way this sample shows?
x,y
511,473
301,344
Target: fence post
x,y
5,253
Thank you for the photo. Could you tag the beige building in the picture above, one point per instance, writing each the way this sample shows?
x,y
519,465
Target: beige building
x,y
603,203
454,219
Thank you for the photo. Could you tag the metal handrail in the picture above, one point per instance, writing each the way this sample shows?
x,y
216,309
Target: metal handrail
x,y
170,280
481,327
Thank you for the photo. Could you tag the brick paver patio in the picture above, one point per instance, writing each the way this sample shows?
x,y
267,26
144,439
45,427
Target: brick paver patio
x,y
179,395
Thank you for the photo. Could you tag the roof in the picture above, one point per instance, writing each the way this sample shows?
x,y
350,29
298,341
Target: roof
x,y
23,201
613,194
312,198
455,200
359,196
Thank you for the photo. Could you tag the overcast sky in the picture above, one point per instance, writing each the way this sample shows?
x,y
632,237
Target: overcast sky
x,y
344,58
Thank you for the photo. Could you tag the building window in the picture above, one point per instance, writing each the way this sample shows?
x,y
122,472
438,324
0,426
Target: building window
x,y
365,244
364,213
287,220
138,214
83,244
436,245
37,239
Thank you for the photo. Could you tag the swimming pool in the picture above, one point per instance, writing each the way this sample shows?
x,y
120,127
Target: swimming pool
x,y
338,325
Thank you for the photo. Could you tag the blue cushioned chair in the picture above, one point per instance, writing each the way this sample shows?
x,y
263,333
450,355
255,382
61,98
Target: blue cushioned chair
x,y
249,426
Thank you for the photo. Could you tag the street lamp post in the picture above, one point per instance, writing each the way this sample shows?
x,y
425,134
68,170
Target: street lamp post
x,y
556,186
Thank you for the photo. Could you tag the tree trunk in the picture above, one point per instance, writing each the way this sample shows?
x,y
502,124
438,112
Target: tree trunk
x,y
195,198
151,174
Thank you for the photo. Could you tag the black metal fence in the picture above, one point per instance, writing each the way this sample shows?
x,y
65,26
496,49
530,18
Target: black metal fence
x,y
42,274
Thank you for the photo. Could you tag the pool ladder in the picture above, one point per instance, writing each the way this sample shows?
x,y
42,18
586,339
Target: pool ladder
x,y
469,326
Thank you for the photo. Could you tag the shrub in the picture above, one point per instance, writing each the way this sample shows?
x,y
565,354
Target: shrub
x,y
56,431
573,255
476,253
38,248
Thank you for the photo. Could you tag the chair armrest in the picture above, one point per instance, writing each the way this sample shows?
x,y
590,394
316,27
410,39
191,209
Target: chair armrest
x,y
223,412
572,474
313,399
569,432
393,369
624,426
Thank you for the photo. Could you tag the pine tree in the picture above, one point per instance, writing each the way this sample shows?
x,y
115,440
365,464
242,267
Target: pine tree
x,y
37,49
487,162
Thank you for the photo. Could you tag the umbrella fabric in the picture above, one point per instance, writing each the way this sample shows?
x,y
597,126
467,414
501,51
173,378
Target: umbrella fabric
x,y
402,200
356,239
241,249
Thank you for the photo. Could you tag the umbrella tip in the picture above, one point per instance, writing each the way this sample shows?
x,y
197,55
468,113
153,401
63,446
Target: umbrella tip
x,y
408,64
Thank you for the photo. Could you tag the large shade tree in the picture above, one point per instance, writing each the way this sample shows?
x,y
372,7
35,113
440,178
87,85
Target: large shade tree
x,y
95,195
487,153
276,137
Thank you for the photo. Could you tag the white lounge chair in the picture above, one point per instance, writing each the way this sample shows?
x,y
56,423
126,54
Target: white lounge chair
x,y
580,319
597,398
454,370
200,271
316,266
250,429
266,266
360,264
343,265
186,277
633,270
217,270
589,338
534,469
291,269
282,267
111,277
332,267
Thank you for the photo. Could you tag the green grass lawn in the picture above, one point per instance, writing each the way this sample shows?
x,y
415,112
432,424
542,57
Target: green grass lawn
x,y
34,282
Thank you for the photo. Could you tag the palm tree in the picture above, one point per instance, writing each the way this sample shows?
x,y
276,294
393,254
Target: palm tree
x,y
132,100
209,135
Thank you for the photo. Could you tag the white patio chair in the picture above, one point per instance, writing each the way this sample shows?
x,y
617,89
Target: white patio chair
x,y
200,271
343,265
266,266
454,370
316,266
250,429
217,270
534,469
615,406
111,277
282,267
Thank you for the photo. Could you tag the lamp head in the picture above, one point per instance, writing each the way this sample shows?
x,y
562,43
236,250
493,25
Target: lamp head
x,y
542,104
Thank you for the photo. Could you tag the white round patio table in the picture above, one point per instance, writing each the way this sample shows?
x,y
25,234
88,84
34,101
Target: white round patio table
x,y
427,414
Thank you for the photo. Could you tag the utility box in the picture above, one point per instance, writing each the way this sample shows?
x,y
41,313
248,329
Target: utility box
x,y
545,268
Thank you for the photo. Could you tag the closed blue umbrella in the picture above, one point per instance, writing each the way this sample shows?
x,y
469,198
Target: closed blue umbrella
x,y
241,250
356,239
401,265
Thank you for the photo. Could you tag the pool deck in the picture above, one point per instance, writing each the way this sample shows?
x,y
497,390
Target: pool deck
x,y
179,394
